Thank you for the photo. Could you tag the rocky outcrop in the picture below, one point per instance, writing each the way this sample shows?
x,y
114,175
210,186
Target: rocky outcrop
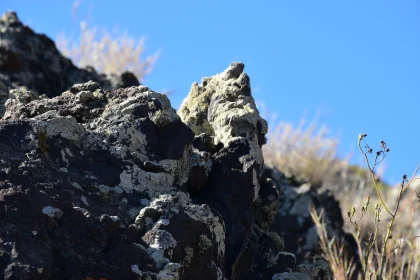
x,y
75,172
102,183
31,62
105,184
222,107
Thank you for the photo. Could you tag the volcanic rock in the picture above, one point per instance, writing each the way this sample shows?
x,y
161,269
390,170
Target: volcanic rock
x,y
30,61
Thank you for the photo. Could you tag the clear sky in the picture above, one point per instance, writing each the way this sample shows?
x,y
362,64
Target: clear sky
x,y
359,61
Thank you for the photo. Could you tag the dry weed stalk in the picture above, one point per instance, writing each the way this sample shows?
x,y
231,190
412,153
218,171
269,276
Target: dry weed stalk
x,y
377,259
378,157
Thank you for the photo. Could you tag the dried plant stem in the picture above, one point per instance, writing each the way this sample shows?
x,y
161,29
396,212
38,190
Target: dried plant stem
x,y
388,234
381,155
379,193
371,244
374,179
396,247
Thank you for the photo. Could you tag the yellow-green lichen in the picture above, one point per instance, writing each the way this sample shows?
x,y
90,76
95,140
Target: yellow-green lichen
x,y
90,188
42,141
278,240
105,197
189,253
204,243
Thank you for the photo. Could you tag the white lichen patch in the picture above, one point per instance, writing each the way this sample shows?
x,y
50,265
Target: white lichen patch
x,y
216,225
68,152
85,212
166,201
255,183
136,270
273,261
204,243
127,133
83,96
153,184
148,221
132,213
84,200
65,127
144,202
160,260
52,212
164,222
170,272
167,114
115,218
202,213
291,276
200,158
163,240
219,271
64,157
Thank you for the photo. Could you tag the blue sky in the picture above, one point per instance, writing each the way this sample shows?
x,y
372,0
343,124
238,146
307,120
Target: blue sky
x,y
356,61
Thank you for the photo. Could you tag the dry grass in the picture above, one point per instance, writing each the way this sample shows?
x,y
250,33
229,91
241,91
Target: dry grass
x,y
108,52
388,239
388,242
341,267
307,153
400,264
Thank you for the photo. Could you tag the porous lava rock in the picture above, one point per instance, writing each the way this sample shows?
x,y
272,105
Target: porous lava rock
x,y
99,181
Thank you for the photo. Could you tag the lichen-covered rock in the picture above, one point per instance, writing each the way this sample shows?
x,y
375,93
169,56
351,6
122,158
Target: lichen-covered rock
x,y
185,233
319,270
74,172
119,173
222,108
114,184
291,276
267,204
31,62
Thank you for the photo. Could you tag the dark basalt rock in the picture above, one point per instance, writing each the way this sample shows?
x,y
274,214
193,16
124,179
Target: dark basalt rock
x,y
31,61
294,223
65,204
113,184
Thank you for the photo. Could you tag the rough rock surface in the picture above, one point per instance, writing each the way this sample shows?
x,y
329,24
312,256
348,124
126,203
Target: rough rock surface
x,y
75,172
294,223
97,183
31,62
223,108
114,184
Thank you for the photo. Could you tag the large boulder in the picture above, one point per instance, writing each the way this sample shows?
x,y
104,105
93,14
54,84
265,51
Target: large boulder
x,y
76,170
